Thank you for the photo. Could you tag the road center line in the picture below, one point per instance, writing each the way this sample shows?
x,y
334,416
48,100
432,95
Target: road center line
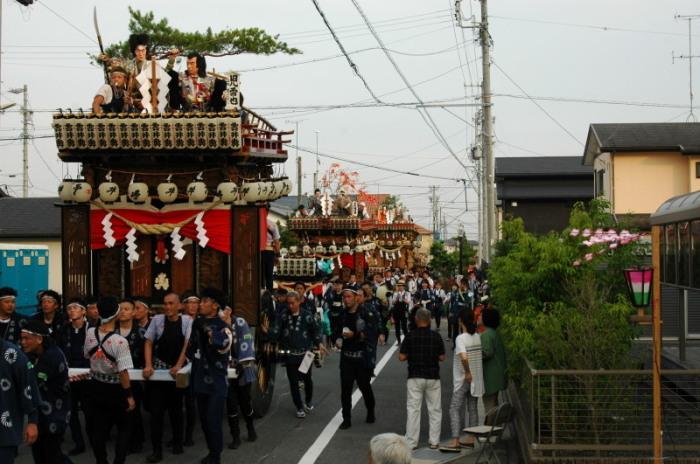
x,y
331,428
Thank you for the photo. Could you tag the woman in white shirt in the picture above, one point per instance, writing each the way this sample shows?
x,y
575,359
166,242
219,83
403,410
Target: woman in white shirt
x,y
468,381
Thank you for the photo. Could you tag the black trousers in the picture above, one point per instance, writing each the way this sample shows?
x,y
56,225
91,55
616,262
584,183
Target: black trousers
x,y
437,315
190,414
106,408
78,393
295,377
165,396
452,327
400,324
211,416
8,454
268,265
238,403
47,448
351,371
135,416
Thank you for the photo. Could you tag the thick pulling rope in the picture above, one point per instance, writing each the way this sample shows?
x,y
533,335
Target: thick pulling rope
x,y
155,229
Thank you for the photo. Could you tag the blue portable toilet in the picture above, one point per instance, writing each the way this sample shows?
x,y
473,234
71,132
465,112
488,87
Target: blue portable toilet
x,y
25,268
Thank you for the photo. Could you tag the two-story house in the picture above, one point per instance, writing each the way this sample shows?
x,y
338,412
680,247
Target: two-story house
x,y
638,166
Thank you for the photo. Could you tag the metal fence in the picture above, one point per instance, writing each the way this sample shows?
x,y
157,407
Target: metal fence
x,y
594,414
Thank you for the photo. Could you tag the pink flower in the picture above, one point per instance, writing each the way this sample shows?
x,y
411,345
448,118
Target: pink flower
x,y
574,232
587,243
586,233
577,263
598,231
613,246
588,256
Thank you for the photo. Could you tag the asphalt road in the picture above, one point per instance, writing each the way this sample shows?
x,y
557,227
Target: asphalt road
x,y
285,439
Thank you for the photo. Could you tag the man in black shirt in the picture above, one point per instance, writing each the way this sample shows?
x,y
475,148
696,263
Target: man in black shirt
x,y
71,339
167,338
355,333
10,322
423,349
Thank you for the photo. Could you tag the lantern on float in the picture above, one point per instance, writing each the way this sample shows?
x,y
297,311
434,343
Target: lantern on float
x,y
197,190
82,192
65,190
227,191
167,191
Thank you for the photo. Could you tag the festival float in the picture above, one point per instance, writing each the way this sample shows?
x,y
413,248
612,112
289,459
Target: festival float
x,y
171,201
349,231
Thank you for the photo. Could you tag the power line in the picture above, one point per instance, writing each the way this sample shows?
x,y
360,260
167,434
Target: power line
x,y
591,100
537,104
340,55
91,39
353,66
360,163
589,26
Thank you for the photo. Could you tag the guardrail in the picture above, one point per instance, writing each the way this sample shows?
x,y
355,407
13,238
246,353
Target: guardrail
x,y
607,414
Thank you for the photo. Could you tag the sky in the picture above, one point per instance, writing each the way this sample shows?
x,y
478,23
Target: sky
x,y
557,67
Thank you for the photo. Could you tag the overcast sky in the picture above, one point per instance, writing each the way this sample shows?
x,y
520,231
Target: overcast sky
x,y
587,51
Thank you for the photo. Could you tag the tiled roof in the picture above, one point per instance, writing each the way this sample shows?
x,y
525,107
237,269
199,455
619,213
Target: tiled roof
x,y
541,166
670,136
29,217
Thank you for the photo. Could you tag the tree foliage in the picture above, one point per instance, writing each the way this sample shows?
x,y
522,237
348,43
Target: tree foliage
x,y
446,264
554,313
391,201
165,37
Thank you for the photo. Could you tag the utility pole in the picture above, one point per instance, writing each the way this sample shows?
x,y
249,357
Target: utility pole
x,y
434,209
299,171
689,57
25,138
478,163
487,134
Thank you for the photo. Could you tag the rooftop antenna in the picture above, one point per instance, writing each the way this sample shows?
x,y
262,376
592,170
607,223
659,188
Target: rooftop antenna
x,y
689,57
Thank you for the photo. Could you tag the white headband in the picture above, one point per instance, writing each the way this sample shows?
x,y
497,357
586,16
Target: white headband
x,y
7,297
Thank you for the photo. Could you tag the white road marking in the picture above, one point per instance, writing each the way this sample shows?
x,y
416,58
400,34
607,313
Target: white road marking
x,y
326,435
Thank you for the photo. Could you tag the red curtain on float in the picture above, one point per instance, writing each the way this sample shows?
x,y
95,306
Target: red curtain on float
x,y
216,225
348,260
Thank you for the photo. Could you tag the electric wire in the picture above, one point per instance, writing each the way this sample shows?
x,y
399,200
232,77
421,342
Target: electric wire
x,y
568,132
360,163
353,66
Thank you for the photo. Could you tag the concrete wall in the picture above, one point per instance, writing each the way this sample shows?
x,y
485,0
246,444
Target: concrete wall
x,y
642,181
55,276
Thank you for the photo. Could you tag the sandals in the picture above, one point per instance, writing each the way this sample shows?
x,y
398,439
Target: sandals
x,y
450,449
466,445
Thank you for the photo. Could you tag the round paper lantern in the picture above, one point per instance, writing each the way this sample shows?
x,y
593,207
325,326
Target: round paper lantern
x,y
252,192
333,248
197,191
137,192
227,191
109,192
167,192
287,187
320,249
65,190
284,252
274,190
82,192
346,249
293,249
306,250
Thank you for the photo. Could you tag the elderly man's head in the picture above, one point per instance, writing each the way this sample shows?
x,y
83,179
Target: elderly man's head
x,y
389,448
423,317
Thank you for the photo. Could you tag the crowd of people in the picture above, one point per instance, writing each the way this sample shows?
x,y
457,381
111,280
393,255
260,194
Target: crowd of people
x,y
109,337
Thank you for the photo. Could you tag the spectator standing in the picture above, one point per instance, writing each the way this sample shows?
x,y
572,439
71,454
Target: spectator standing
x,y
468,381
494,353
423,349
